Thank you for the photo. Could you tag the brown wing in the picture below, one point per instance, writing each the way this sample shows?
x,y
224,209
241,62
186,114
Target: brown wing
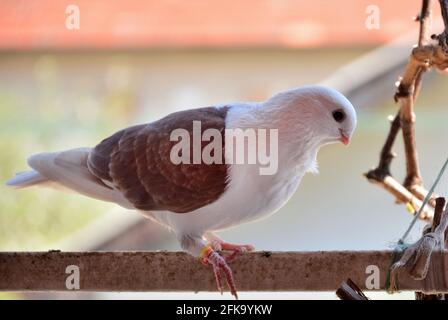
x,y
137,161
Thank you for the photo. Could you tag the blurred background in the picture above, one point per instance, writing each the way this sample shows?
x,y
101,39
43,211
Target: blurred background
x,y
65,85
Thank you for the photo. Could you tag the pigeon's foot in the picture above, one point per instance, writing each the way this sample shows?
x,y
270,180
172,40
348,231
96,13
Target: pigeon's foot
x,y
234,249
220,268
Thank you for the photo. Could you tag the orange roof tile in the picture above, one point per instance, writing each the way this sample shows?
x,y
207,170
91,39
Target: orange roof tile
x,y
106,24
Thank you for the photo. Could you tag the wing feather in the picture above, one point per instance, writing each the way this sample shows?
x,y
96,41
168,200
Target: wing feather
x,y
137,162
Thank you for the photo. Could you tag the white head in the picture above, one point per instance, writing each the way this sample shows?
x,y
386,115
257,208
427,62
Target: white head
x,y
324,114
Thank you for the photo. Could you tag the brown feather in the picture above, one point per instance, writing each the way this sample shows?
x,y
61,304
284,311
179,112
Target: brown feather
x,y
137,162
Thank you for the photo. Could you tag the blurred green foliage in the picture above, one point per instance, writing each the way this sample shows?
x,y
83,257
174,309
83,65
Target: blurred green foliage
x,y
36,218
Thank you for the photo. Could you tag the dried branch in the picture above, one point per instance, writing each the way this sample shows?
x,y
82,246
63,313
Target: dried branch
x,y
424,18
405,97
443,37
401,194
383,169
422,58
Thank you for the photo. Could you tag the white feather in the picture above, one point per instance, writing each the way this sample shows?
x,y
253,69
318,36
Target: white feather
x,y
26,179
67,170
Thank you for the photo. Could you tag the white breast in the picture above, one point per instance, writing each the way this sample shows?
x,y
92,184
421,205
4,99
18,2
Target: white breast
x,y
248,197
251,196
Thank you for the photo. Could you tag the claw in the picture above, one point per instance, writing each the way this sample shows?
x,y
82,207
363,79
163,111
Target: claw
x,y
232,257
220,267
218,278
235,247
220,263
236,250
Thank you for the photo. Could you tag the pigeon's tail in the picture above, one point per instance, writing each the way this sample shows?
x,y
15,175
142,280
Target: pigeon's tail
x,y
67,170
26,179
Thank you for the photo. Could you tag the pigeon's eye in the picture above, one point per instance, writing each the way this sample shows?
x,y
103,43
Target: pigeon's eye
x,y
338,115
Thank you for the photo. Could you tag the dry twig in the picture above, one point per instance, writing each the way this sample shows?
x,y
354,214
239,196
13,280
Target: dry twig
x,y
423,57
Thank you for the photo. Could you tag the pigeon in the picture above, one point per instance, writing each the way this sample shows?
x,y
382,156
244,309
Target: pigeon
x,y
150,169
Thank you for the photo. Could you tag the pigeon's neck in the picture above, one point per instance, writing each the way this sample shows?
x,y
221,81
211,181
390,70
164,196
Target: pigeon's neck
x,y
297,141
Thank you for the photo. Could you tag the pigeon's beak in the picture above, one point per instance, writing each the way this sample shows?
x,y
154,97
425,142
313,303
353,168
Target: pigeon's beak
x,y
345,139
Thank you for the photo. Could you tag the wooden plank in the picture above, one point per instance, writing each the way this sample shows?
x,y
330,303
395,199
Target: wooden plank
x,y
177,271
